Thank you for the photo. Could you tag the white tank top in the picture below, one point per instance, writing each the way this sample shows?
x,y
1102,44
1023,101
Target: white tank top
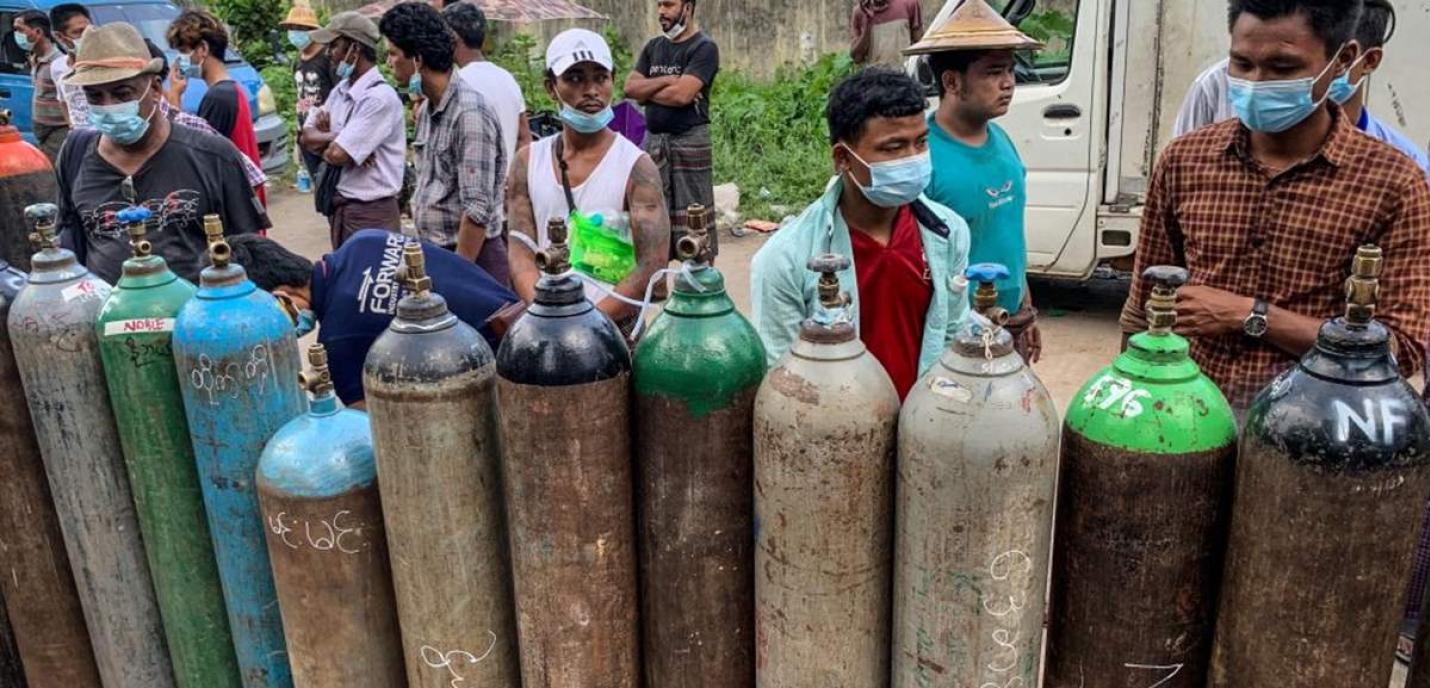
x,y
604,190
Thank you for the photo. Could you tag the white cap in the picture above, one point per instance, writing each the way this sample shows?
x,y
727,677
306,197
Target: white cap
x,y
575,46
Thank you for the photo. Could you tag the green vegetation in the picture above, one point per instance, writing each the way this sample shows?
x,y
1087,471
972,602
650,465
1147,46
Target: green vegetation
x,y
252,23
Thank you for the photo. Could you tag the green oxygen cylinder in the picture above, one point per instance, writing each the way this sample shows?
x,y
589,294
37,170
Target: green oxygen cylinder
x,y
1143,498
135,329
696,375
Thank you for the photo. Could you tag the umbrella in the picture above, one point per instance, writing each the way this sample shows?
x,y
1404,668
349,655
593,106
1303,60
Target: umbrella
x,y
513,11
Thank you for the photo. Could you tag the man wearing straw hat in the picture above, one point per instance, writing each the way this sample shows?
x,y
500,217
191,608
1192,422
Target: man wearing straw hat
x,y
312,72
976,168
135,156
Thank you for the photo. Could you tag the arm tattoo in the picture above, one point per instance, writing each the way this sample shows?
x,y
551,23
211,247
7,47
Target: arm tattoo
x,y
521,219
650,224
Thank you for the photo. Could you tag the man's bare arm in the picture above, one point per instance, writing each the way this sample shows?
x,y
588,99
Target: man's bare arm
x,y
470,238
650,229
642,88
521,219
523,131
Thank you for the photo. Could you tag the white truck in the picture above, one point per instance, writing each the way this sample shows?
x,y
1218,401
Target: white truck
x,y
1093,110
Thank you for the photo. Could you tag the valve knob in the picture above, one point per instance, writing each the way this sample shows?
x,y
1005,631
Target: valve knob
x,y
829,263
986,272
42,214
134,215
1169,276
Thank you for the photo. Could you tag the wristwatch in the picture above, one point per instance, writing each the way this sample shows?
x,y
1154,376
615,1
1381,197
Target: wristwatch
x,y
1255,324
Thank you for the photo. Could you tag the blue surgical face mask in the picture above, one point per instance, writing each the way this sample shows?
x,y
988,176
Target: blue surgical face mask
x,y
24,42
586,123
186,66
304,323
344,70
414,84
895,183
299,39
1272,107
1342,89
121,122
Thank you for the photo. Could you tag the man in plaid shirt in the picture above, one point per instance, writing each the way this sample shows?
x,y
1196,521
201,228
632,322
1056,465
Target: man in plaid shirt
x,y
1266,211
461,160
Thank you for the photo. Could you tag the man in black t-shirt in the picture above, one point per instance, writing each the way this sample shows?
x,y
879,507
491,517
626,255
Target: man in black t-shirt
x,y
135,156
312,72
672,79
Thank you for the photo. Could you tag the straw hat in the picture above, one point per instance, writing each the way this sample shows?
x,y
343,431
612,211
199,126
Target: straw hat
x,y
109,53
301,17
974,26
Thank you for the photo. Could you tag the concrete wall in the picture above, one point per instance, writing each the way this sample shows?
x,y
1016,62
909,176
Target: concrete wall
x,y
755,36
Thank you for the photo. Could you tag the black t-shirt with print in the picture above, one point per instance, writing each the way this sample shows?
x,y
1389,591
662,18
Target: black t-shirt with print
x,y
698,57
192,175
314,80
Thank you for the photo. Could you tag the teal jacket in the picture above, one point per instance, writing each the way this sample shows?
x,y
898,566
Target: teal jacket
x,y
783,290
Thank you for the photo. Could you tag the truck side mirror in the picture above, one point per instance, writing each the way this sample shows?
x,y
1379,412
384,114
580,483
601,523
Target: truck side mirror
x,y
1018,10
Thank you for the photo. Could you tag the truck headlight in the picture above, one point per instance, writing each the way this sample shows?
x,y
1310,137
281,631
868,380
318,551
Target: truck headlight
x,y
267,105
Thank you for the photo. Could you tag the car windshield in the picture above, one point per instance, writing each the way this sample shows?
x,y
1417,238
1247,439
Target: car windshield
x,y
152,20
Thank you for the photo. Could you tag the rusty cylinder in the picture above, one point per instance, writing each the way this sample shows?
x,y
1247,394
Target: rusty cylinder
x,y
317,486
430,386
978,463
563,381
696,375
1331,486
57,351
1148,448
825,420
40,597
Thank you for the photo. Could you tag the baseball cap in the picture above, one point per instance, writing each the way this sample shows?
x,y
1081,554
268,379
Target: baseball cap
x,y
574,46
350,25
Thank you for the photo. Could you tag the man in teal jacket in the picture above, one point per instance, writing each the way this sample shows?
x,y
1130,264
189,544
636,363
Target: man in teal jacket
x,y
908,253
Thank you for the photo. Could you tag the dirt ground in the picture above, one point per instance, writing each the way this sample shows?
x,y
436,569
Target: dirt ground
x,y
1080,333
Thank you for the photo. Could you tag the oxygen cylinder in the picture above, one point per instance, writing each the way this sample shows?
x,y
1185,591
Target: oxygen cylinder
x,y
563,380
26,177
696,375
978,461
1330,490
237,360
430,383
57,352
1148,447
135,330
317,483
825,421
40,597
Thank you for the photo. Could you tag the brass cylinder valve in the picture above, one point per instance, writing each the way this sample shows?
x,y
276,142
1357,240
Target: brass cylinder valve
x,y
1162,304
415,272
135,220
695,245
42,217
1363,286
829,266
219,252
318,380
556,258
985,298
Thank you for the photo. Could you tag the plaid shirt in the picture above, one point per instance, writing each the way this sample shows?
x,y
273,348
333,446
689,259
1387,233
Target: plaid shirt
x,y
461,165
1288,238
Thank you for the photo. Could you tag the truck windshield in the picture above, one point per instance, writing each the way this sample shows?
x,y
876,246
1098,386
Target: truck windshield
x,y
152,20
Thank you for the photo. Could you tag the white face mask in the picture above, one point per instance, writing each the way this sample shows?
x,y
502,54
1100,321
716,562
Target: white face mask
x,y
679,27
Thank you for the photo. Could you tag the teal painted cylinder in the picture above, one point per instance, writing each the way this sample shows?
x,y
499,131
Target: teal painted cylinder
x,y
237,360
135,330
317,482
696,376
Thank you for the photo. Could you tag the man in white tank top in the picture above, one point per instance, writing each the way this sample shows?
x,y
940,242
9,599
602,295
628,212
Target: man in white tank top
x,y
605,173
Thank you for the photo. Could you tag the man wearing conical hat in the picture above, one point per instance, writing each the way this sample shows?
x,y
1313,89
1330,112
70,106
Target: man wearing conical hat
x,y
977,171
312,72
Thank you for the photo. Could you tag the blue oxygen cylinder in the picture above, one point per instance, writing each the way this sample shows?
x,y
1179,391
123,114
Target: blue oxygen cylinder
x,y
238,366
317,482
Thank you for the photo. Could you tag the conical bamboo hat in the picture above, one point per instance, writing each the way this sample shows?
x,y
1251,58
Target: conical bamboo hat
x,y
974,26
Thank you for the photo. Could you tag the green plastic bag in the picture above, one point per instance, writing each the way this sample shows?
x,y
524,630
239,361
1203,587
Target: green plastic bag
x,y
602,248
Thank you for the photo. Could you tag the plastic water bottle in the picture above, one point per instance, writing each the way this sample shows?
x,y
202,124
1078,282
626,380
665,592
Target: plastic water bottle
x,y
304,181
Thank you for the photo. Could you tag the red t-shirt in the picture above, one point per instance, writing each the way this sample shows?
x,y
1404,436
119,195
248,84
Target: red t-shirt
x,y
895,290
225,107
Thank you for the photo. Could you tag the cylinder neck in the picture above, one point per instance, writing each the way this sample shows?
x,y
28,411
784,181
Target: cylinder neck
x,y
1352,353
699,293
422,313
146,271
52,265
229,279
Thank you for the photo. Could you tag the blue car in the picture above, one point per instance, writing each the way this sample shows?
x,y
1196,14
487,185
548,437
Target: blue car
x,y
152,18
